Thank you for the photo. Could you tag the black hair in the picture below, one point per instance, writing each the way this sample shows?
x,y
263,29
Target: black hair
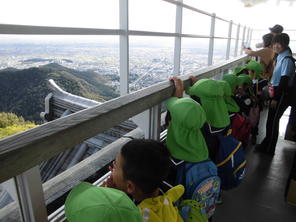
x,y
244,71
283,39
267,40
146,163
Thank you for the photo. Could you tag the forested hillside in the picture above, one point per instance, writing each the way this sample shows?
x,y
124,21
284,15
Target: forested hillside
x,y
23,91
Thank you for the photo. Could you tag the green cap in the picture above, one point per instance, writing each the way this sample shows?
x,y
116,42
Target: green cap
x,y
238,69
256,67
185,141
244,79
230,102
232,81
211,95
88,203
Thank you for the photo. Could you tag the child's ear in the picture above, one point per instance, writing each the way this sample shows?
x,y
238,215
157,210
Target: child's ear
x,y
130,187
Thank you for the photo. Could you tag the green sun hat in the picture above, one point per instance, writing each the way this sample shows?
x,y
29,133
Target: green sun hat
x,y
185,141
244,79
211,95
90,203
232,81
238,70
256,67
230,102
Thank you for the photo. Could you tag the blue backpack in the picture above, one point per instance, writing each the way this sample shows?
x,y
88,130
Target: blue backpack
x,y
202,185
231,162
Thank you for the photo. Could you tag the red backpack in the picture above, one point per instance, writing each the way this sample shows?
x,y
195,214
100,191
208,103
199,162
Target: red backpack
x,y
241,128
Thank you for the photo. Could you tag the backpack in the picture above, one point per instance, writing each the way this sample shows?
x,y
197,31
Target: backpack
x,y
202,185
292,80
162,208
254,116
190,211
230,161
241,128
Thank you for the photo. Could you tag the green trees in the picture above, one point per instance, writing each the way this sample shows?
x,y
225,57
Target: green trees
x,y
11,124
23,91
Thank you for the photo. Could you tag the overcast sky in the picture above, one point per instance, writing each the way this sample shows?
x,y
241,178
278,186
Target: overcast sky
x,y
148,15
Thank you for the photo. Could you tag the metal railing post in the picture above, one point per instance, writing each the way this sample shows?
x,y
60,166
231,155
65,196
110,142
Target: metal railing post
x,y
212,37
248,36
31,198
243,40
177,49
236,41
149,122
229,40
124,48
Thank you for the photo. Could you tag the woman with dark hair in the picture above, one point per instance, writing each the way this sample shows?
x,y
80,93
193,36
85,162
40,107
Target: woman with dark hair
x,y
283,71
265,55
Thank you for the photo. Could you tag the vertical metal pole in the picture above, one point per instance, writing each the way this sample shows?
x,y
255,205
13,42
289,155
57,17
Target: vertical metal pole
x,y
177,49
229,40
212,37
243,40
149,122
248,36
31,197
155,115
124,47
236,41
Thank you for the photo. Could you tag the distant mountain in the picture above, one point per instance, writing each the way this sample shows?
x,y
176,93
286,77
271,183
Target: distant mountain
x,y
23,91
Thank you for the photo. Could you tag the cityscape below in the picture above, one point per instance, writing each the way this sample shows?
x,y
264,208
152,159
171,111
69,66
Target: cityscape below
x,y
148,63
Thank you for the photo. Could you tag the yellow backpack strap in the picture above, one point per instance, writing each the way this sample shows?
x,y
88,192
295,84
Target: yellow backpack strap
x,y
175,193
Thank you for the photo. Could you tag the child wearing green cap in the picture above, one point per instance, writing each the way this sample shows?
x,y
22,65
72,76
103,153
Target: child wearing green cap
x,y
245,96
185,140
89,203
210,94
139,170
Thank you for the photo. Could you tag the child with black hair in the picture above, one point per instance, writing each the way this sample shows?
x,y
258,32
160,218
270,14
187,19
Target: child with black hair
x,y
139,170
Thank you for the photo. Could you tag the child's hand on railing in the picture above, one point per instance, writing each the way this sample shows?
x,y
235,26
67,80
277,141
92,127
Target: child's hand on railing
x,y
193,80
109,181
178,86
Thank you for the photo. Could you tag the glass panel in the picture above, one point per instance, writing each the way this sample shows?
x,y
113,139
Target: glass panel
x,y
152,15
232,47
86,13
196,23
219,54
257,37
9,207
151,60
86,66
234,31
221,28
194,55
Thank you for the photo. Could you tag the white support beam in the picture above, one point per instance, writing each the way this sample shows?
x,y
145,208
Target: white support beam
x,y
236,41
124,48
212,38
31,197
243,40
48,30
248,37
229,40
177,48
